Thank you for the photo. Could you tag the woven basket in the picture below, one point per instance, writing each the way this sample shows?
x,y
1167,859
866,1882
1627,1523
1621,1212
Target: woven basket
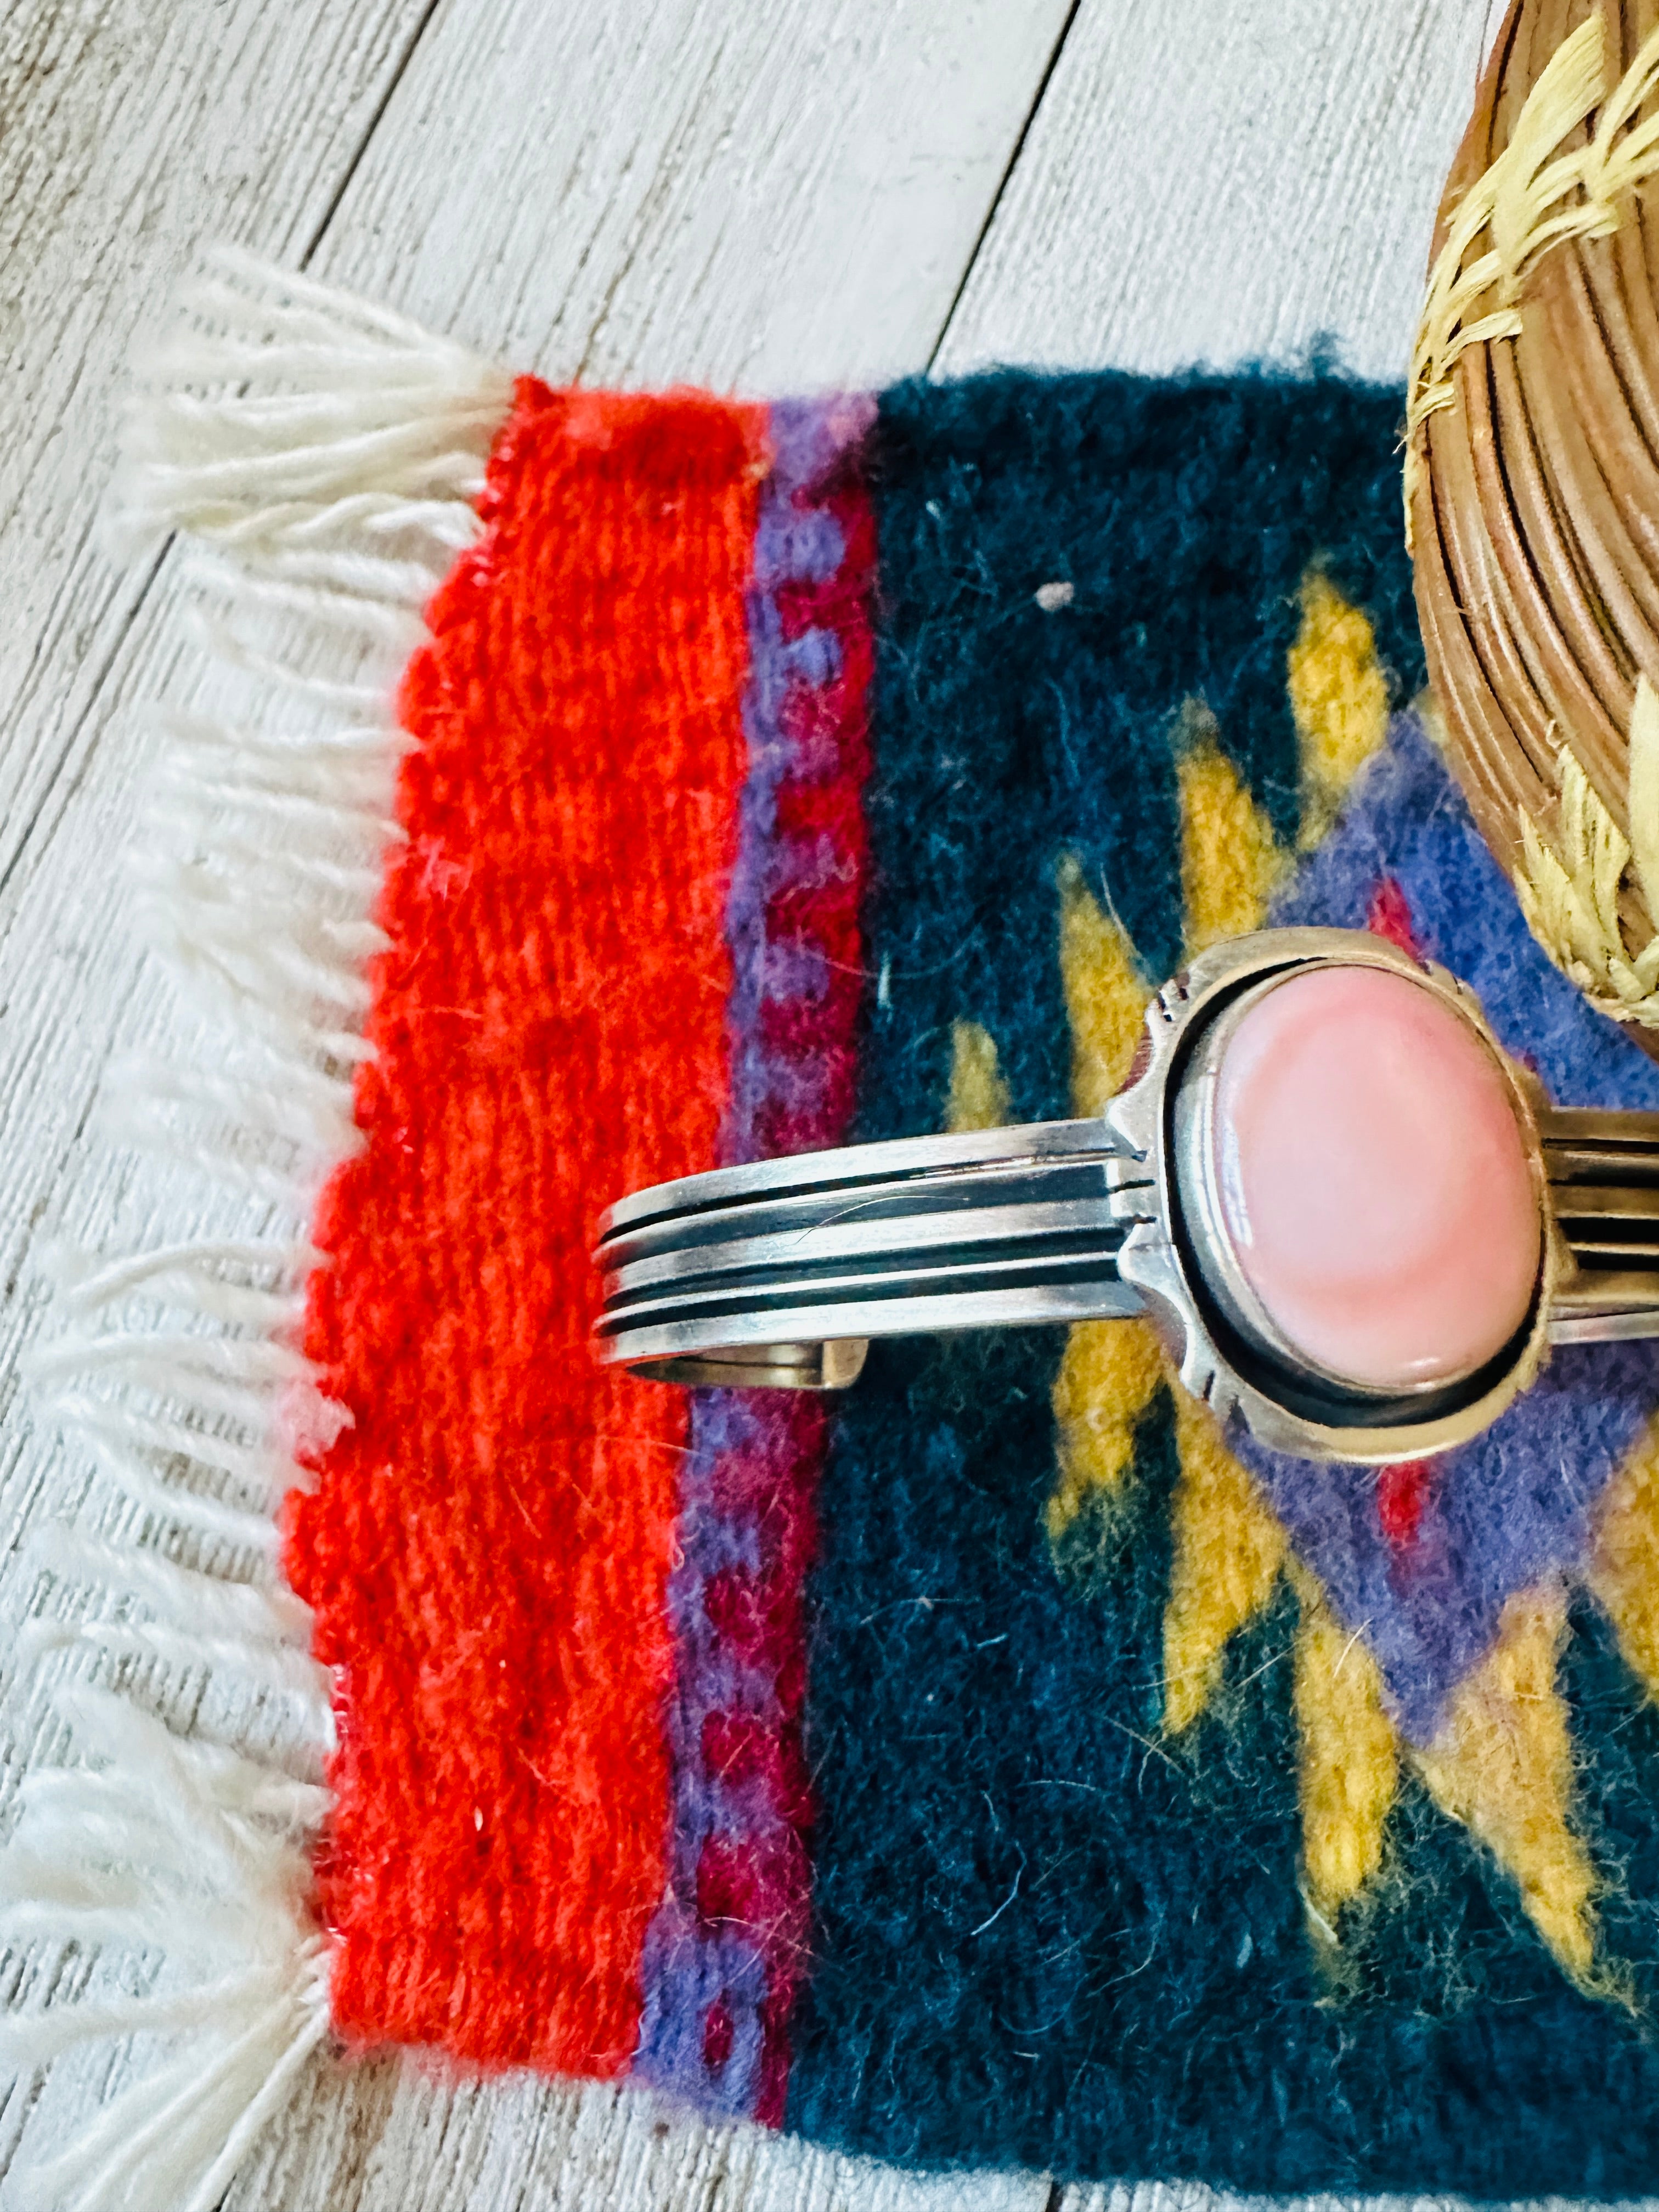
x,y
1532,483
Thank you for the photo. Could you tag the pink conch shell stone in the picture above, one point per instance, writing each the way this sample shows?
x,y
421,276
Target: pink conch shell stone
x,y
1373,1180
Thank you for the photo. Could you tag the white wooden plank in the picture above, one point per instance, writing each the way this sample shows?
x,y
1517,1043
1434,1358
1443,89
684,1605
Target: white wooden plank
x,y
429,2146
1220,184
128,134
782,196
779,197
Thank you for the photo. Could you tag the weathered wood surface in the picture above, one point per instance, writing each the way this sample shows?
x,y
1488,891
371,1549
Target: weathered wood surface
x,y
130,132
788,194
1221,185
777,197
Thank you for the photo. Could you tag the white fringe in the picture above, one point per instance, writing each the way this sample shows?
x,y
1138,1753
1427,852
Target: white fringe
x,y
330,456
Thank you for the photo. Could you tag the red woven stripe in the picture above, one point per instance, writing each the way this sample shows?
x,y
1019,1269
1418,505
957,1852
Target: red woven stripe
x,y
487,1544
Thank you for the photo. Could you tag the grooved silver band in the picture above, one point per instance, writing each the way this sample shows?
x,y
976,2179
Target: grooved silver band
x,y
748,1275
757,1268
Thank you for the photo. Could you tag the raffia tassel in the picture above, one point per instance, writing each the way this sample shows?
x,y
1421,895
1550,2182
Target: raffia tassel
x,y
1569,890
1528,201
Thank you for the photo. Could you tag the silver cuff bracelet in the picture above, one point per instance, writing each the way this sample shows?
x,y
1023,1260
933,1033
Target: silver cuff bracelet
x,y
778,1274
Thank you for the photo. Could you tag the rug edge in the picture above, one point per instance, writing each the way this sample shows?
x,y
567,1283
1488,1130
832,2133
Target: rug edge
x,y
327,456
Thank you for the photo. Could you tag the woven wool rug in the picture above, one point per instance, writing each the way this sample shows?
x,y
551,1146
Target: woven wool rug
x,y
995,1765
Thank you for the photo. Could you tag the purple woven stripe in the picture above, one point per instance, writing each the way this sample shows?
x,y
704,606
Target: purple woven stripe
x,y
742,1498
688,1970
796,545
725,1952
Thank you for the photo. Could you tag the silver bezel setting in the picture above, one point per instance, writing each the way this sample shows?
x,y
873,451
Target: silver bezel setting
x,y
1221,1367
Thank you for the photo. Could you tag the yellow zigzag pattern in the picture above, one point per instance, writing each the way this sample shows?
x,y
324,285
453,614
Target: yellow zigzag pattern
x,y
1624,1572
1230,861
1349,1762
1339,698
1502,1765
1228,1552
978,1097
